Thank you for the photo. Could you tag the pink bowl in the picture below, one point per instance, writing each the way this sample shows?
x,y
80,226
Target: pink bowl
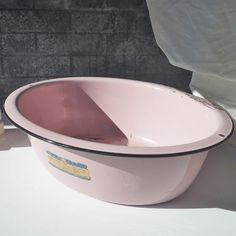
x,y
118,140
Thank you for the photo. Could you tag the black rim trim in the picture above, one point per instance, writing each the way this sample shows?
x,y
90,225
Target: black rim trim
x,y
119,154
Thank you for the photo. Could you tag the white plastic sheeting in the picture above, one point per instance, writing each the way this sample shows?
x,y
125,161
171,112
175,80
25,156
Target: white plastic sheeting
x,y
200,36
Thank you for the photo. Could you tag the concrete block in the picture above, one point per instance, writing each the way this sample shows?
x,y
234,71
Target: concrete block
x,y
120,44
17,21
98,66
18,43
143,24
88,44
16,4
36,66
80,66
53,43
52,4
52,21
103,22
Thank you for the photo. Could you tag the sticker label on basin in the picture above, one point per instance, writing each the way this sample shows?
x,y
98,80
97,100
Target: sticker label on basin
x,y
71,167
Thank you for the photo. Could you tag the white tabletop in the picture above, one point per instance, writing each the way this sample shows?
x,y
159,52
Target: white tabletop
x,y
33,203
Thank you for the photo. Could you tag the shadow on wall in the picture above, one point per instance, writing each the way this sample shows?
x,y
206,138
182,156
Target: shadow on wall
x,y
215,185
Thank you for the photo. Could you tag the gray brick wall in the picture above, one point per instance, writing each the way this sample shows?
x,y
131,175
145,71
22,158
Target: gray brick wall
x,y
41,39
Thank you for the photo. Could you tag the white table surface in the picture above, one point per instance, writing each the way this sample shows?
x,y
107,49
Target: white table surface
x,y
33,203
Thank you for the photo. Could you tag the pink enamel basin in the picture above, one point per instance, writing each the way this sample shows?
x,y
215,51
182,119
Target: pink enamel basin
x,y
116,140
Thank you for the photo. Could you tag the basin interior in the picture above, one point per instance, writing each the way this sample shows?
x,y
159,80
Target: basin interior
x,y
118,112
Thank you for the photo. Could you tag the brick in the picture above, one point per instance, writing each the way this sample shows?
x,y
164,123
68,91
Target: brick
x,y
120,66
88,44
15,66
159,68
103,22
81,66
143,24
154,64
18,43
36,66
53,43
70,4
97,65
107,4
51,66
31,21
8,85
125,21
92,22
52,21
130,64
1,66
16,4
17,21
148,64
89,65
91,4
145,44
52,4
115,65
126,5
119,44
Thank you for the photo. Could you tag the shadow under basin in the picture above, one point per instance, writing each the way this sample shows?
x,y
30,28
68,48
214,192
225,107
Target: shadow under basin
x,y
215,186
12,137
